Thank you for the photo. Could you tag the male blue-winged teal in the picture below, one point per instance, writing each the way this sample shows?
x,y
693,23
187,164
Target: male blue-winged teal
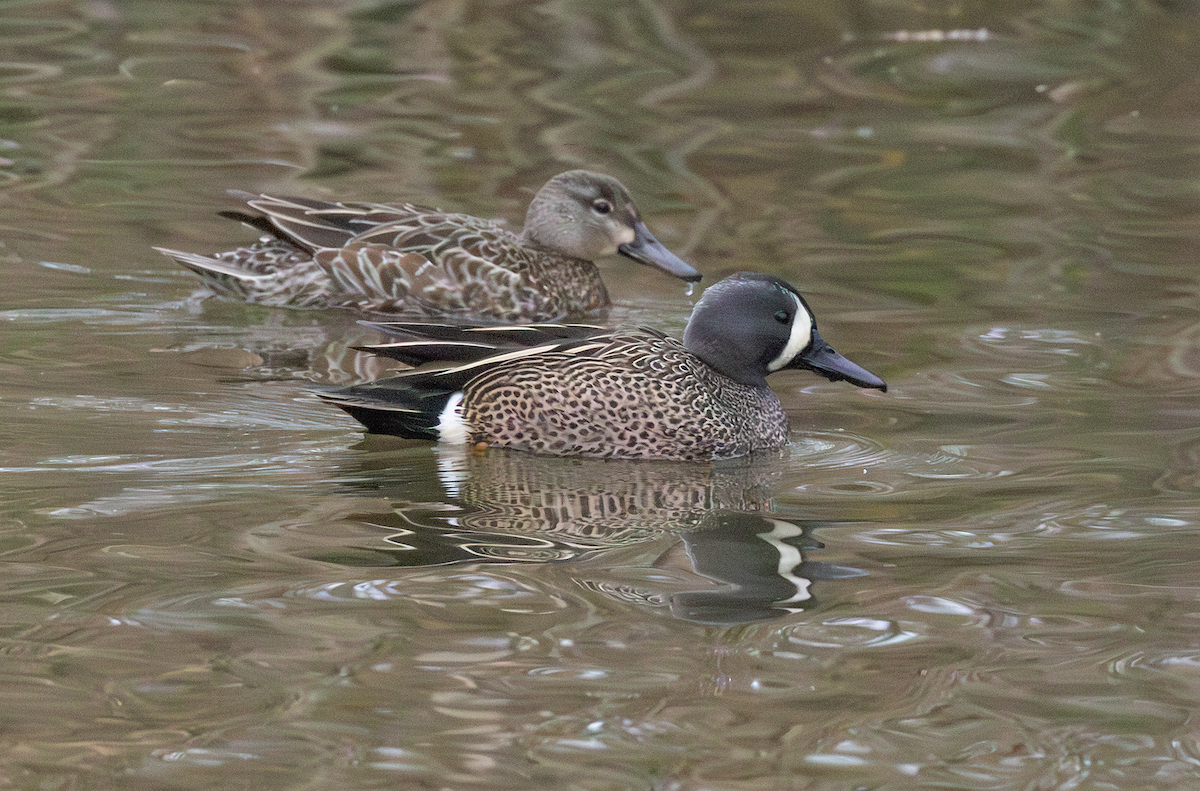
x,y
580,390
415,262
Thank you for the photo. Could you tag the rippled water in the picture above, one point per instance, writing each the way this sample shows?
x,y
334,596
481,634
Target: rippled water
x,y
982,579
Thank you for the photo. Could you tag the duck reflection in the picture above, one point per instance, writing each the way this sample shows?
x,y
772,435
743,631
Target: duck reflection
x,y
286,348
593,503
758,563
699,541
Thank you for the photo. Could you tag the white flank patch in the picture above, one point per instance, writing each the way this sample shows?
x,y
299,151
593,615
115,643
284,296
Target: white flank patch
x,y
451,426
798,340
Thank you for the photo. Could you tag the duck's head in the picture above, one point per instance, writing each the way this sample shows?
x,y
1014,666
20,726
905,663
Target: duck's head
x,y
588,215
750,325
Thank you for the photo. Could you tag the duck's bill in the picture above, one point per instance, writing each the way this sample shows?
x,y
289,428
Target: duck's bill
x,y
645,249
822,359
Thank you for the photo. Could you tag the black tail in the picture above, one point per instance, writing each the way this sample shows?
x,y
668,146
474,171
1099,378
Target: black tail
x,y
394,406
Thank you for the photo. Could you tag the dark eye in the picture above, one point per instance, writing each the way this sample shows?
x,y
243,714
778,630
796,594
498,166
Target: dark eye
x,y
601,206
782,316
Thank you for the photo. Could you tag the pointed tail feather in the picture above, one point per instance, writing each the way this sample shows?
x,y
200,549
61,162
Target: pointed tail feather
x,y
218,275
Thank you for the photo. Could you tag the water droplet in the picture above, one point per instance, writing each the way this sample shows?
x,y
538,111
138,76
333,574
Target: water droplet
x,y
691,288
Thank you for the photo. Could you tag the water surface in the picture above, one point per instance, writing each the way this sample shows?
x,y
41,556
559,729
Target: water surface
x,y
984,578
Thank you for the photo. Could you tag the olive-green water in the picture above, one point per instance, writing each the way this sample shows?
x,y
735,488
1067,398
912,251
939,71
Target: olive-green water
x,y
986,578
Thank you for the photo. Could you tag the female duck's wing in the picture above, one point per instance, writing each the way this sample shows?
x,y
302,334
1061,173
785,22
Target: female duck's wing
x,y
315,224
385,279
318,224
410,259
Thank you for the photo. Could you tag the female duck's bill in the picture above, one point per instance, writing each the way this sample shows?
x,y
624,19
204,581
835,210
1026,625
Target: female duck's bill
x,y
407,260
583,390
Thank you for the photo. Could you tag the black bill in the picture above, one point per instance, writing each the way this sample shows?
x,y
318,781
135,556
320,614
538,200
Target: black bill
x,y
645,249
822,359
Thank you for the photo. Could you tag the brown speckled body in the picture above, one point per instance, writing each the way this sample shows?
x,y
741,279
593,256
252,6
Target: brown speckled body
x,y
410,261
417,263
635,394
582,390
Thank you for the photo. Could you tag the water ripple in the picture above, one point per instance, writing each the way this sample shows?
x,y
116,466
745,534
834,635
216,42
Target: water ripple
x,y
846,632
493,589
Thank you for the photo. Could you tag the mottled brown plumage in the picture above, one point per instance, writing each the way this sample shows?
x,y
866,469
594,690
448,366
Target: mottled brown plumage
x,y
634,394
416,262
578,390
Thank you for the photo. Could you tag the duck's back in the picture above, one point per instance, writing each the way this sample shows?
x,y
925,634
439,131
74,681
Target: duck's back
x,y
634,394
434,264
410,260
403,260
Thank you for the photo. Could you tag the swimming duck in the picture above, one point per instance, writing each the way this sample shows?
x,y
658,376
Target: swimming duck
x,y
583,390
417,262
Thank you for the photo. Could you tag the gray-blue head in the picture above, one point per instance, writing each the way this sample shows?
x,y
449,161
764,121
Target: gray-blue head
x,y
751,324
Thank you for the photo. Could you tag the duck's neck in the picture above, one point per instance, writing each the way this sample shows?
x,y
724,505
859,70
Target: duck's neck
x,y
721,353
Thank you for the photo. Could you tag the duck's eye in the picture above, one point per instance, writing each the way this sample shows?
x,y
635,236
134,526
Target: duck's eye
x,y
782,316
602,206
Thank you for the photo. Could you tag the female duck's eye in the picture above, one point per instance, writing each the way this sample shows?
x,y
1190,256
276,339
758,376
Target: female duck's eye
x,y
601,206
782,317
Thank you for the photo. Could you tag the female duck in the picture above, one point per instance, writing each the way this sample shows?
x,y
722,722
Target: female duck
x,y
578,390
411,261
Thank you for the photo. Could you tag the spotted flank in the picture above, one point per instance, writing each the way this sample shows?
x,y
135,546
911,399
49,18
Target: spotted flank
x,y
584,390
411,261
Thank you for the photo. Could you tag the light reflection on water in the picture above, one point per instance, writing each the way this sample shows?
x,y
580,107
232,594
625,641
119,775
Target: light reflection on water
x,y
981,579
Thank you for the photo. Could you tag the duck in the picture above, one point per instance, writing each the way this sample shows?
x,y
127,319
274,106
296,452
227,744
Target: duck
x,y
584,390
415,262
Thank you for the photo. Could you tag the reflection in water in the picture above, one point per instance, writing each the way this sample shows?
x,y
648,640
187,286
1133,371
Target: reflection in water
x,y
759,567
611,502
264,345
721,557
750,567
